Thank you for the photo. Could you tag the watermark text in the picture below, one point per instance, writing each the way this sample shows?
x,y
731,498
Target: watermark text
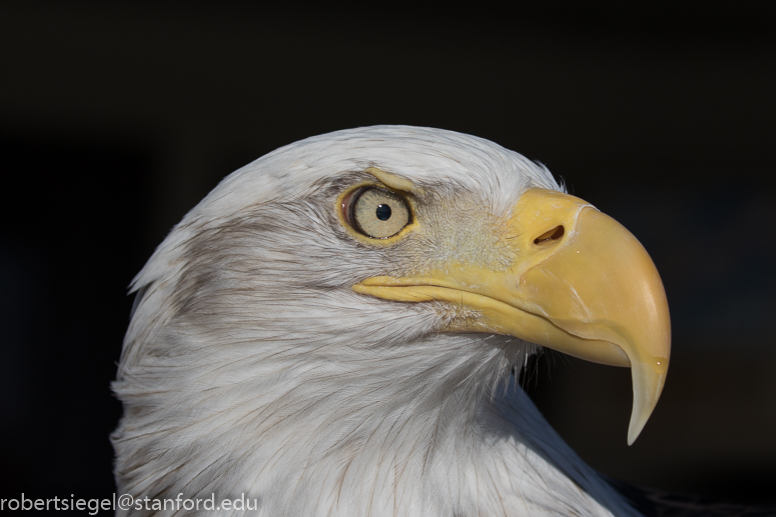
x,y
128,502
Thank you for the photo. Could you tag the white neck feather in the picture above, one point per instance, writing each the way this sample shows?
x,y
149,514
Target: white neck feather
x,y
445,437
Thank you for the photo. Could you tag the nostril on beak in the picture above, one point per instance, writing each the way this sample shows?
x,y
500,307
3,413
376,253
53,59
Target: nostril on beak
x,y
550,236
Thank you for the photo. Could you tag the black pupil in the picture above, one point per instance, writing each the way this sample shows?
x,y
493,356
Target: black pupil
x,y
383,212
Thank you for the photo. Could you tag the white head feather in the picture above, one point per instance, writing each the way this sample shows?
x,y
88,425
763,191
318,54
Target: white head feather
x,y
251,367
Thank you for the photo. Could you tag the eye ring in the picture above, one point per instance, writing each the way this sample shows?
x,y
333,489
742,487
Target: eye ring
x,y
375,212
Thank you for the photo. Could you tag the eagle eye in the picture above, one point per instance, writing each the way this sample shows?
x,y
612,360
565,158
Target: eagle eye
x,y
375,212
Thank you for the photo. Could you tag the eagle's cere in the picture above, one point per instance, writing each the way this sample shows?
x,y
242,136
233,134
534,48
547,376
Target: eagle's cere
x,y
335,330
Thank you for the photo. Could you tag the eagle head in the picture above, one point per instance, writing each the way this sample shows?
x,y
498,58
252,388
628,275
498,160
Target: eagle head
x,y
337,327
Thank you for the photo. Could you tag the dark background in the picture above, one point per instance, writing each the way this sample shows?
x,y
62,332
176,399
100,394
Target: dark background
x,y
116,118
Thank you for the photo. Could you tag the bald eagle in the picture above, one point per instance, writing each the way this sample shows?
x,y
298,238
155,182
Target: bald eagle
x,y
337,330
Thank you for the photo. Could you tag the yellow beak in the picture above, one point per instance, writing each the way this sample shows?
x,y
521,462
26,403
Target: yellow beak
x,y
582,284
